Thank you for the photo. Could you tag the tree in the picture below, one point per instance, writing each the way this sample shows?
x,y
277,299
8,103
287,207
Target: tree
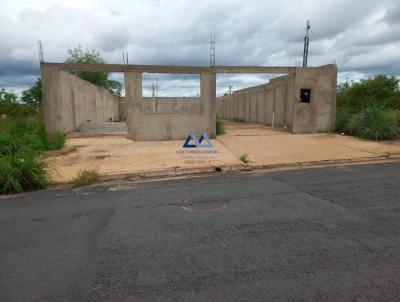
x,y
92,56
378,90
7,97
33,96
10,106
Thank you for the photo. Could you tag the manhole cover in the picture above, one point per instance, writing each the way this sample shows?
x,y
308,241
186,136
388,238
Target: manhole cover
x,y
203,205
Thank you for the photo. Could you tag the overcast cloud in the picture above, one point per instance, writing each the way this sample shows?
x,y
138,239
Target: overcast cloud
x,y
363,37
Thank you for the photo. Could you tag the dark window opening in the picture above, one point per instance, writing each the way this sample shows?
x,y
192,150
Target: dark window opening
x,y
305,95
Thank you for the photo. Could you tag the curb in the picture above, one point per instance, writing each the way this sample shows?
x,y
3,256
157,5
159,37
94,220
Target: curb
x,y
173,172
232,168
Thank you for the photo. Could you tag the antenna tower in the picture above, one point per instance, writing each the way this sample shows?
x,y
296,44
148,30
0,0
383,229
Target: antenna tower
x,y
125,58
40,51
212,49
306,42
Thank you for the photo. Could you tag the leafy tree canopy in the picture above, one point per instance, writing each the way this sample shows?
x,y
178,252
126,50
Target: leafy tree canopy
x,y
378,90
10,106
92,56
8,97
33,96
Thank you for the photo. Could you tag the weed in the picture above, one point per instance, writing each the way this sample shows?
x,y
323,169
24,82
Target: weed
x,y
22,140
59,143
86,177
220,128
22,171
343,116
374,122
238,119
244,158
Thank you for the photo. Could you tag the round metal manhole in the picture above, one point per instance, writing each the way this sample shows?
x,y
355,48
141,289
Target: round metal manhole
x,y
203,205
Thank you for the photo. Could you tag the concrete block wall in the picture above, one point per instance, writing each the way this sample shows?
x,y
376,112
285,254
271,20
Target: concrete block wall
x,y
320,114
280,99
259,104
68,101
170,118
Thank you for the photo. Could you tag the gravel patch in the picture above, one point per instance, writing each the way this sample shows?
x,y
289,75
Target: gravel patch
x,y
103,127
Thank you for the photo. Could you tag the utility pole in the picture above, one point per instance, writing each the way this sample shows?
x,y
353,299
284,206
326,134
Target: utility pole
x,y
306,42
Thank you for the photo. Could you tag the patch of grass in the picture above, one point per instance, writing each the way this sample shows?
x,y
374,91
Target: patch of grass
x,y
238,119
244,158
220,127
22,140
22,171
375,123
58,144
86,177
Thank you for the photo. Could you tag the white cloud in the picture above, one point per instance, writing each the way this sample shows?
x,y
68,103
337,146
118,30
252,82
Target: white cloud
x,y
363,36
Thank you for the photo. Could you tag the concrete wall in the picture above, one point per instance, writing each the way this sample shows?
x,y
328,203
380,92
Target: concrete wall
x,y
170,118
257,104
320,114
123,108
69,101
163,105
280,98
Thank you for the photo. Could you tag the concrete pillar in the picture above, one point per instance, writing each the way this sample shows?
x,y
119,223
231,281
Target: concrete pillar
x,y
319,114
133,95
208,99
51,101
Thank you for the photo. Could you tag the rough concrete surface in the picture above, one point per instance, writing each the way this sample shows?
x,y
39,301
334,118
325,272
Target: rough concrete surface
x,y
264,146
118,154
267,146
68,101
313,235
104,127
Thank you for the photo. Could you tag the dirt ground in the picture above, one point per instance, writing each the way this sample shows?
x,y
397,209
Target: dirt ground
x,y
115,154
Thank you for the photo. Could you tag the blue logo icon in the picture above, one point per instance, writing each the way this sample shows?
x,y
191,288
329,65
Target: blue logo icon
x,y
198,143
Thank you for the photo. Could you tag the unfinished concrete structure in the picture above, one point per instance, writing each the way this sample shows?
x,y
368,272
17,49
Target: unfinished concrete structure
x,y
278,103
304,100
68,101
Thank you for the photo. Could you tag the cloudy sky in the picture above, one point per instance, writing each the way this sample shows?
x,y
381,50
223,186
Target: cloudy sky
x,y
362,36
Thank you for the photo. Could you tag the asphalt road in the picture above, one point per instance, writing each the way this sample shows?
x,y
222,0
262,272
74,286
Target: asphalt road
x,y
329,234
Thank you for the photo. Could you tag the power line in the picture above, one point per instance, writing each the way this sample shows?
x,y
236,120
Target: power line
x,y
306,43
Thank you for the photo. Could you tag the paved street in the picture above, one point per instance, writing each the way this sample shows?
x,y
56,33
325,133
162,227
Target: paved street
x,y
330,234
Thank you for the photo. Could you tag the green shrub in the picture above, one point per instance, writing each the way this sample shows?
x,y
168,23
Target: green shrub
x,y
59,143
375,91
374,122
238,119
22,140
343,116
220,128
85,178
22,171
22,134
11,108
244,158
